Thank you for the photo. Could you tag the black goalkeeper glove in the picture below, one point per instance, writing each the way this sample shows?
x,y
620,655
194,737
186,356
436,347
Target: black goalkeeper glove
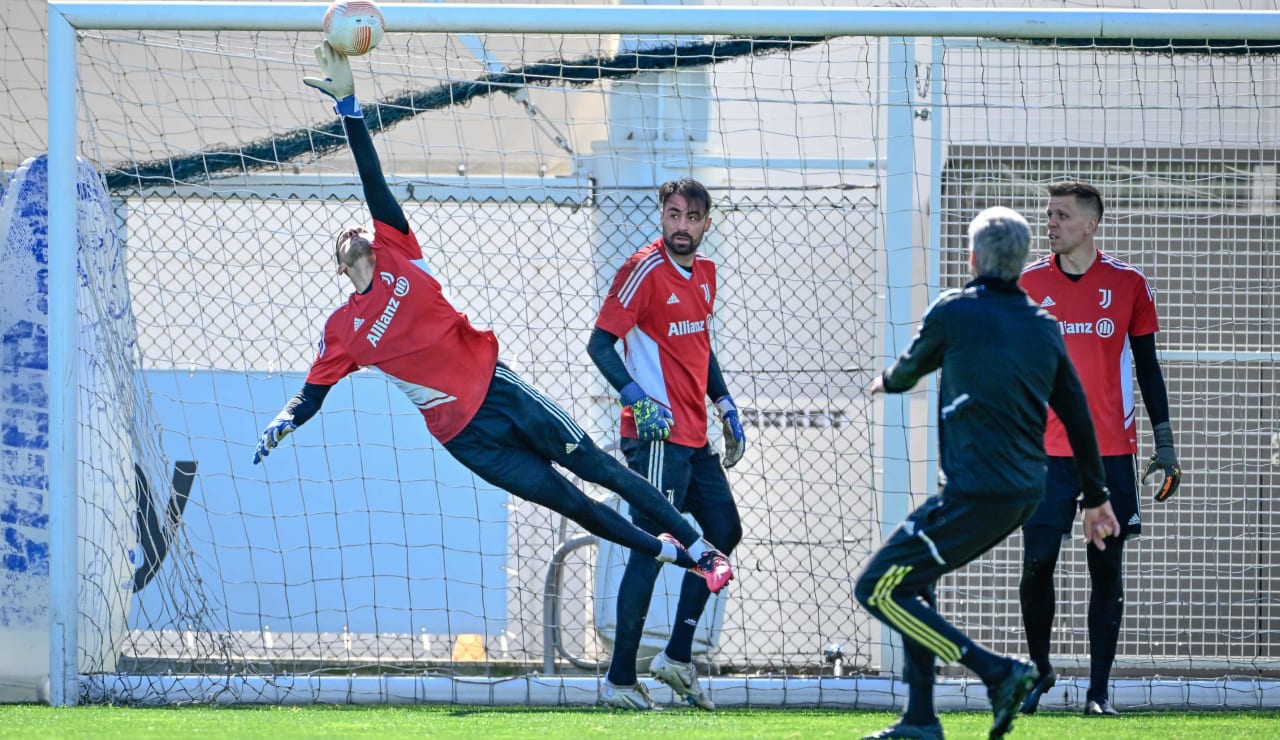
x,y
1166,460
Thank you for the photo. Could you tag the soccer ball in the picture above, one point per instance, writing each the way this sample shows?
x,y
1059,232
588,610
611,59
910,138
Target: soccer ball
x,y
353,27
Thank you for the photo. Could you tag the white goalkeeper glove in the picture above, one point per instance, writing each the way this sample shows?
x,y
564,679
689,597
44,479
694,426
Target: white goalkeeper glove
x,y
337,82
735,440
279,428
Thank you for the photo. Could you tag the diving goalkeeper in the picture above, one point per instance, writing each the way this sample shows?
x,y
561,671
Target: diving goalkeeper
x,y
492,421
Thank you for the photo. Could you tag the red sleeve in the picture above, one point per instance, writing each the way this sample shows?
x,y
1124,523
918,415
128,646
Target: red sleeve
x,y
621,309
332,362
390,237
1144,319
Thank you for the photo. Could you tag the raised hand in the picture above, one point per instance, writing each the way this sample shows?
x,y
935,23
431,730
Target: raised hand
x,y
337,82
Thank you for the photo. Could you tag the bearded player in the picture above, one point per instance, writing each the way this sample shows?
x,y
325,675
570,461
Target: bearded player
x,y
660,306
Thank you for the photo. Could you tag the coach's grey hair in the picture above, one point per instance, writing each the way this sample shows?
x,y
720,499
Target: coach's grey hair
x,y
999,240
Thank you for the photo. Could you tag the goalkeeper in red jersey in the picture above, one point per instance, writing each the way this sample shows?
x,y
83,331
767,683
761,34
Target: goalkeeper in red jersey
x,y
1107,316
660,305
492,421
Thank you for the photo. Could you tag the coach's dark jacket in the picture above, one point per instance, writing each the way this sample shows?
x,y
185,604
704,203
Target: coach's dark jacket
x,y
1002,360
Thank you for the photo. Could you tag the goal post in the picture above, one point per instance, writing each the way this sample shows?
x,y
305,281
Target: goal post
x,y
844,148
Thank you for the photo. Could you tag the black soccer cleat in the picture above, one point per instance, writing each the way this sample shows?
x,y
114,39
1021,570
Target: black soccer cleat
x,y
1039,689
904,729
1006,695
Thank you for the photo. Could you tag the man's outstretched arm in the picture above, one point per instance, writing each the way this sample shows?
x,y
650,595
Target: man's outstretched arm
x,y
338,84
295,413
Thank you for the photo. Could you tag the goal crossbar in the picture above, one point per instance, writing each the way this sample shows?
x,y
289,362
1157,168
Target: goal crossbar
x,y
724,19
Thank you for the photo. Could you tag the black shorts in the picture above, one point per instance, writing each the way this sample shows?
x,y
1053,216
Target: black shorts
x,y
515,434
1061,501
692,479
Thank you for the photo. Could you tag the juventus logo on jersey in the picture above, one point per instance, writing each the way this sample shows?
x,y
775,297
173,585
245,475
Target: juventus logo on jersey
x,y
1105,300
706,292
672,300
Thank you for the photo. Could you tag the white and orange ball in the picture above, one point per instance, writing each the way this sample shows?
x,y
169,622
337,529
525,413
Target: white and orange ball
x,y
353,27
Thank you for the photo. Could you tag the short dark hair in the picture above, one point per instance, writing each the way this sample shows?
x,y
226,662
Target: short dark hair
x,y
1085,194
688,187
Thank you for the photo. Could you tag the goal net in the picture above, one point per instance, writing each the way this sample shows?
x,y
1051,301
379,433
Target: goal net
x,y
361,563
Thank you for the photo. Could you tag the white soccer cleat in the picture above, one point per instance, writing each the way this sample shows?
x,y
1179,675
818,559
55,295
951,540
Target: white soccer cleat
x,y
682,679
633,698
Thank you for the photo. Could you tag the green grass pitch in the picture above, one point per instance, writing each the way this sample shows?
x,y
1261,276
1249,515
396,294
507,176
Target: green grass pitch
x,y
519,723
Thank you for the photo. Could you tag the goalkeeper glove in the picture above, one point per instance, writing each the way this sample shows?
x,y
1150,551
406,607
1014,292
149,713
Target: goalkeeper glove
x,y
653,420
735,440
279,428
337,82
1166,460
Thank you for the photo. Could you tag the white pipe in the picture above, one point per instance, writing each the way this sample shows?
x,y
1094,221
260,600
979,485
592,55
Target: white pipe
x,y
63,335
696,20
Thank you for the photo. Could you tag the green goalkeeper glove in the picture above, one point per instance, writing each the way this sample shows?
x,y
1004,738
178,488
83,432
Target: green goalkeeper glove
x,y
653,420
1164,459
337,82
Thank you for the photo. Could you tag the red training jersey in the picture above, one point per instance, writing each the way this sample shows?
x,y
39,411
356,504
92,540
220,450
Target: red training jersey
x,y
663,315
404,327
1096,315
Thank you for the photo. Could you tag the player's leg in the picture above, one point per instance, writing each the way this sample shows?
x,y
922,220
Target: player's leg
x,y
1041,545
708,498
482,448
668,473
939,537
1106,613
549,430
1106,582
918,674
920,719
710,501
635,592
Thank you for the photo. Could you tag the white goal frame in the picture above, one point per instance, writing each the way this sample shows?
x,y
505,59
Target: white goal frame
x,y
66,18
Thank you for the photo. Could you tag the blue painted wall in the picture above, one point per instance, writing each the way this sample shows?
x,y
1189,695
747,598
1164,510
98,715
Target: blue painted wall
x,y
358,520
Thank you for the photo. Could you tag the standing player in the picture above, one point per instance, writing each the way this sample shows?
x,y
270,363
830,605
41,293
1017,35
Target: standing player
x,y
661,305
485,415
1105,309
1002,363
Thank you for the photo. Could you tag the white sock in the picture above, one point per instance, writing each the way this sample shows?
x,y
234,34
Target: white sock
x,y
668,554
697,549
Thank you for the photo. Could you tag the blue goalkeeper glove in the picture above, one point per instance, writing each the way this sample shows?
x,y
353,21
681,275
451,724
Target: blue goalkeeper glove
x,y
735,440
337,82
653,420
279,428
1165,460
